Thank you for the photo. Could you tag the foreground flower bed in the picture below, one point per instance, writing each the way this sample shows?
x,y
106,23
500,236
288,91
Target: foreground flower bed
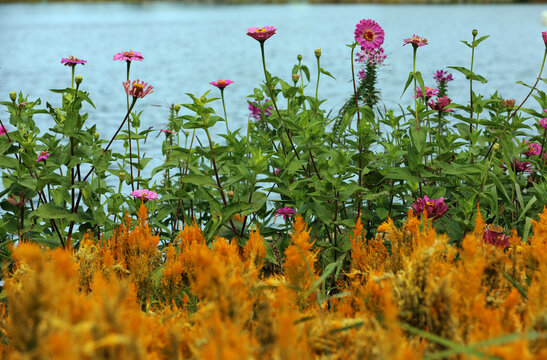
x,y
405,294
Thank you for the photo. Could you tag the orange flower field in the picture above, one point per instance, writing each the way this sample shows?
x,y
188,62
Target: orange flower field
x,y
404,294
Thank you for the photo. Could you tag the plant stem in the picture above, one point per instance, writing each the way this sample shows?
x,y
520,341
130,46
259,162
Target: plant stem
x,y
317,84
360,177
415,50
224,108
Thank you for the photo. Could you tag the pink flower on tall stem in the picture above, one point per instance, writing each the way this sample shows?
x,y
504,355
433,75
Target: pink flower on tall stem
x,y
167,132
144,194
3,130
369,34
544,36
137,88
533,148
72,61
286,212
416,41
442,76
429,92
519,166
256,112
543,123
128,56
261,34
441,104
494,235
434,208
221,84
43,156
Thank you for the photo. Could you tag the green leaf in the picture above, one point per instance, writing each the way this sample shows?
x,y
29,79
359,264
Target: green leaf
x,y
323,71
50,211
410,78
515,284
198,179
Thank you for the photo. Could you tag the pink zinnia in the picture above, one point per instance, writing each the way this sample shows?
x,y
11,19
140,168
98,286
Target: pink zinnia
x,y
286,212
256,112
533,148
261,34
441,104
519,166
434,208
221,84
494,235
416,41
544,35
429,92
372,57
144,194
369,34
72,61
3,130
543,123
43,156
128,56
167,131
137,89
442,76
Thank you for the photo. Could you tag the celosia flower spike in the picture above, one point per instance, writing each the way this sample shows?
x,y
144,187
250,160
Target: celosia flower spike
x,y
261,34
416,41
128,56
137,89
221,84
72,61
369,34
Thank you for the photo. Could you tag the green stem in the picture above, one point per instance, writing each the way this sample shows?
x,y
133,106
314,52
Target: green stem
x,y
360,179
415,50
317,84
224,108
72,82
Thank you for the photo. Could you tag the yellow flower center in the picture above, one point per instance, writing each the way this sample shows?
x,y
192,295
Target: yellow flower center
x,y
138,86
369,35
261,30
430,203
221,82
128,53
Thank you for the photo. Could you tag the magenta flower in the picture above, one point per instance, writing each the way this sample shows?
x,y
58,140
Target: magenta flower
x,y
137,89
3,130
519,166
144,194
416,41
167,131
369,34
434,208
544,36
543,123
362,74
221,84
372,57
429,92
533,148
22,104
286,212
261,34
441,104
276,171
442,76
43,156
256,112
494,234
72,61
128,56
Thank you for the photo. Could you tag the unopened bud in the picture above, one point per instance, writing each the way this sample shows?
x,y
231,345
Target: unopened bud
x,y
474,32
121,175
295,77
78,79
96,136
13,96
509,104
186,133
299,57
230,193
177,108
317,53
496,147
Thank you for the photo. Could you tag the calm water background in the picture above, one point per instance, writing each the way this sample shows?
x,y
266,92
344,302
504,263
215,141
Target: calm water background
x,y
187,46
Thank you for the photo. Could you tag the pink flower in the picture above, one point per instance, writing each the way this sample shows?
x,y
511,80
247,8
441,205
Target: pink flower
x,y
441,104
544,36
72,61
256,112
221,84
533,148
442,76
3,130
167,131
416,41
22,104
429,92
276,171
434,208
128,56
286,212
543,123
519,166
43,156
137,89
494,235
261,34
369,34
144,194
372,57
362,74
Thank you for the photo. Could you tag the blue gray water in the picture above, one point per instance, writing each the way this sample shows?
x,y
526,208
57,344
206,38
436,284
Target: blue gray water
x,y
187,46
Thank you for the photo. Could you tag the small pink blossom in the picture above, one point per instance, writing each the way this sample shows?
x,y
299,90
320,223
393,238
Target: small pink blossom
x,y
434,208
72,61
276,172
519,166
372,57
429,92
543,123
128,56
221,84
494,235
261,34
544,36
369,34
3,130
416,41
137,89
256,112
441,104
167,131
22,104
43,156
144,194
442,76
286,212
533,148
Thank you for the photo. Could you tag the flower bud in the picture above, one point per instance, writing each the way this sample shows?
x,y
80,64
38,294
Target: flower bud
x,y
13,96
96,136
496,147
474,32
230,193
299,57
121,175
177,108
509,104
78,79
186,133
295,77
317,53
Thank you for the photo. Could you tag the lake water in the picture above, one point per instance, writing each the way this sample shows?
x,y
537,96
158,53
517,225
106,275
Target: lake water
x,y
187,46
